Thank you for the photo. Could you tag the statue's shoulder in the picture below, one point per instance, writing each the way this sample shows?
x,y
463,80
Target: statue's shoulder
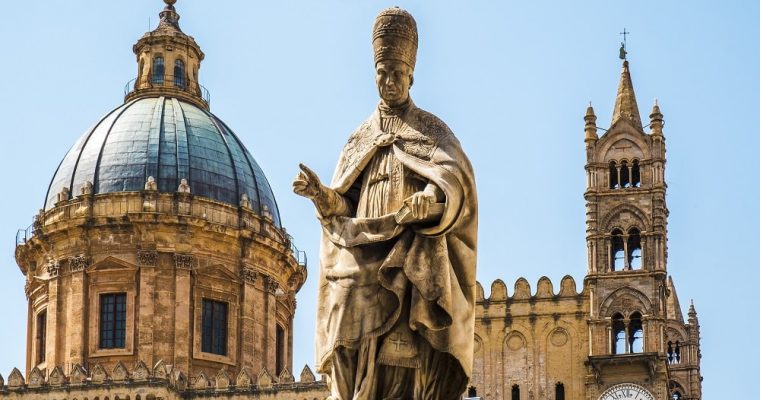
x,y
427,133
360,140
430,125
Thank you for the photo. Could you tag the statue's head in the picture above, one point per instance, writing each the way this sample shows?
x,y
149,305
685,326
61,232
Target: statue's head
x,y
394,39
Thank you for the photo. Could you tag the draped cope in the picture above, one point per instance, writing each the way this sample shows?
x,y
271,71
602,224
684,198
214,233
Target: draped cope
x,y
379,279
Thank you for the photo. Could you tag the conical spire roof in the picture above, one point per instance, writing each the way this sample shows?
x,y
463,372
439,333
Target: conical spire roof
x,y
625,102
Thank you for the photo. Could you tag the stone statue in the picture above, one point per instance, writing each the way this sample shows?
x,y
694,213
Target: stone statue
x,y
397,263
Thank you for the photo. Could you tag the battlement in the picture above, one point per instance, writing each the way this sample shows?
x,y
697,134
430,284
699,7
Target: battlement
x,y
161,382
522,291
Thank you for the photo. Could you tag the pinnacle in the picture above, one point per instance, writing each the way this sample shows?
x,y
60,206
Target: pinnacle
x,y
625,102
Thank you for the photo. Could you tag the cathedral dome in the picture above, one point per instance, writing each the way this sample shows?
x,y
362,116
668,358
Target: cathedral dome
x,y
169,140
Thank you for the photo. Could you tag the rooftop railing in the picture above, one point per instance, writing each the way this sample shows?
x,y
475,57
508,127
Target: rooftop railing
x,y
168,82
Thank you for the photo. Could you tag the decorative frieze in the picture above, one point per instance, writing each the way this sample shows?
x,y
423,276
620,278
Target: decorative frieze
x,y
184,261
147,258
78,263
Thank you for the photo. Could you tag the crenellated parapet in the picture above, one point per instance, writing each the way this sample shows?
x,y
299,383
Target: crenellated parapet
x,y
522,333
162,381
522,291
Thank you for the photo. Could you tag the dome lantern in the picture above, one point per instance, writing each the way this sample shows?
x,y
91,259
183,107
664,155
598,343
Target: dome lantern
x,y
168,61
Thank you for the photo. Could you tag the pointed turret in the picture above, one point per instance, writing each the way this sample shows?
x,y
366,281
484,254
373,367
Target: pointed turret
x,y
625,102
590,129
693,320
655,120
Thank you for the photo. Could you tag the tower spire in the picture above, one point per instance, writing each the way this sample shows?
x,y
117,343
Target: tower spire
x,y
625,102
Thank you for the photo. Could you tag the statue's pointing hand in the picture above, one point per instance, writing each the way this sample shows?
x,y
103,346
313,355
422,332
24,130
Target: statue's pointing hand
x,y
307,183
327,201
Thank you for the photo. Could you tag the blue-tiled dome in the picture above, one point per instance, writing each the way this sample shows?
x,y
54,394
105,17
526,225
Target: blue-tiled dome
x,y
170,140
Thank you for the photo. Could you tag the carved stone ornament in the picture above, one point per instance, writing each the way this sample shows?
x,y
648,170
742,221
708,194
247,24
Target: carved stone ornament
x,y
27,289
249,275
86,189
286,376
36,378
184,187
78,375
120,373
141,372
201,382
57,377
160,370
99,374
184,261
271,285
78,263
15,379
306,375
265,380
222,381
179,381
243,380
151,184
53,268
147,258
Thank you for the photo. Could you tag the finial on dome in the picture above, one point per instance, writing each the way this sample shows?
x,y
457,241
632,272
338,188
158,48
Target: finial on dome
x,y
169,16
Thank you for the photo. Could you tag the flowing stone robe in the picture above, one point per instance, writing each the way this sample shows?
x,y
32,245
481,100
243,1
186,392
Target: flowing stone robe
x,y
382,281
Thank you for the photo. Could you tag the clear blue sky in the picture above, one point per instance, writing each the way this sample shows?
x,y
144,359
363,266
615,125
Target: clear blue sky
x,y
512,79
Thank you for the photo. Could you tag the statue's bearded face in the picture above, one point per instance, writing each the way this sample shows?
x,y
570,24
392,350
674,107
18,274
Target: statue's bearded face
x,y
394,78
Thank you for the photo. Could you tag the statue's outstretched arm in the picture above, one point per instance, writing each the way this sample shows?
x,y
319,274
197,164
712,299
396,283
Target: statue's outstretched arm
x,y
327,201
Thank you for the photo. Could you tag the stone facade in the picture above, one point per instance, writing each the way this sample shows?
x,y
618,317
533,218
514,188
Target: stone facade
x,y
166,262
625,325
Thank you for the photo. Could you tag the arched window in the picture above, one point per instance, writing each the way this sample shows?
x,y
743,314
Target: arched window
x,y
625,176
179,74
677,395
613,175
634,249
559,391
617,262
279,358
636,333
515,392
618,334
674,352
158,71
636,174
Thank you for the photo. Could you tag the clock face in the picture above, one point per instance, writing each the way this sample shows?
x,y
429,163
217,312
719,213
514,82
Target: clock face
x,y
626,391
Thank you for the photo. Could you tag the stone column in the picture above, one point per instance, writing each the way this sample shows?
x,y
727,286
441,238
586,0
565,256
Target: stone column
x,y
76,310
183,338
271,323
146,311
248,320
51,336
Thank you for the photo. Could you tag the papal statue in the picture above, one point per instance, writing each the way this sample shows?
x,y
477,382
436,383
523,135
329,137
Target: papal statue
x,y
396,299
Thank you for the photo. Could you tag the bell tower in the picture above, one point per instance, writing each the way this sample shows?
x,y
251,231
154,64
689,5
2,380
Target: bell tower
x,y
626,235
